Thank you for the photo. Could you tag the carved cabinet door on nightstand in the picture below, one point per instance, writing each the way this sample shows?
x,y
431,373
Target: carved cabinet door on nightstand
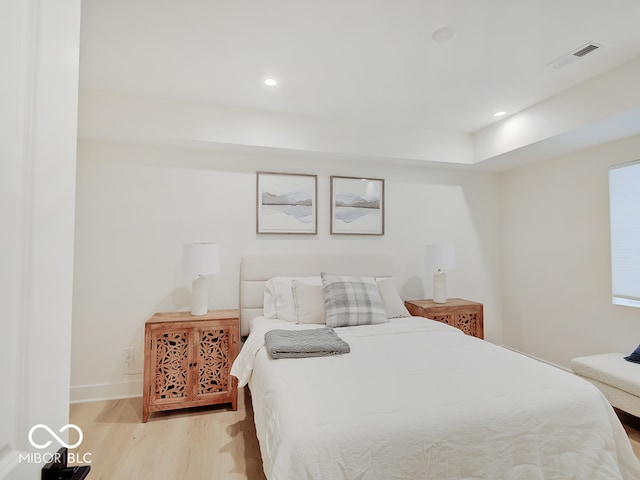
x,y
188,360
457,312
213,348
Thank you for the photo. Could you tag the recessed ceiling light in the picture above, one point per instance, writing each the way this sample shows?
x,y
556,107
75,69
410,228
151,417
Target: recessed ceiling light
x,y
270,82
444,34
499,114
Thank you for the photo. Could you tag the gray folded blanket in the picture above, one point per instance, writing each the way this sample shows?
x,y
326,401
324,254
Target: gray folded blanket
x,y
316,342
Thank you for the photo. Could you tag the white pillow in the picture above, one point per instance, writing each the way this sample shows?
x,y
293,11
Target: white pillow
x,y
278,297
309,303
393,304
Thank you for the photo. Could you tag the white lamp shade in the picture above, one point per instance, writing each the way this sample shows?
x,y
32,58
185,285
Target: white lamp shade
x,y
441,256
200,258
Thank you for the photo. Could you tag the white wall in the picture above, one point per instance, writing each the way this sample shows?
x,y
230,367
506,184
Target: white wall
x,y
136,205
570,119
135,118
12,98
556,262
39,41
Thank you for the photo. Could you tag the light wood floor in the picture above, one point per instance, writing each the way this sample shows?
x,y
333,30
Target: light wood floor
x,y
213,443
634,435
632,425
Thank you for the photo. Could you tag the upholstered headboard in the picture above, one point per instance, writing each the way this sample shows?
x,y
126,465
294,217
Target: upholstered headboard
x,y
257,268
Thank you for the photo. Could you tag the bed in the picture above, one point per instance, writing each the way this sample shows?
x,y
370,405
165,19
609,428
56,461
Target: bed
x,y
414,398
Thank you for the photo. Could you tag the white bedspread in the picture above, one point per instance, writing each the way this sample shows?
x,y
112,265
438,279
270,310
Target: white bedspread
x,y
417,399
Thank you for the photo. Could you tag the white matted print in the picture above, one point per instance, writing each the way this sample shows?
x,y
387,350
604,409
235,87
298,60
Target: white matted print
x,y
357,206
286,203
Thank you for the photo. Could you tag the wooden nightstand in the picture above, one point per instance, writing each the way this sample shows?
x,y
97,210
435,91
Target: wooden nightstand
x,y
187,360
457,312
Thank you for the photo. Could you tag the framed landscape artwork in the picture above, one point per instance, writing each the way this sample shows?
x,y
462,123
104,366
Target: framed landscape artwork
x,y
357,206
286,203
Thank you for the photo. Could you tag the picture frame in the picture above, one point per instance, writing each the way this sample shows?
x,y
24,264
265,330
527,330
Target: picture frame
x,y
357,206
286,203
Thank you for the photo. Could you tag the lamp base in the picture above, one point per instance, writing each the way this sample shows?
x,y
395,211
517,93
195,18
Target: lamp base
x,y
439,287
199,304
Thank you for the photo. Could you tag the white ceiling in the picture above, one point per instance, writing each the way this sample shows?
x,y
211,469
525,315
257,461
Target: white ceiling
x,y
372,60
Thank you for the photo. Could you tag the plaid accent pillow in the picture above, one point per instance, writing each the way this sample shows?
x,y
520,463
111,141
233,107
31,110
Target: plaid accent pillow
x,y
351,301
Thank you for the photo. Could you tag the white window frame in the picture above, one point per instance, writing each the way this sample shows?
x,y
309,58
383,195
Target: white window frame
x,y
624,209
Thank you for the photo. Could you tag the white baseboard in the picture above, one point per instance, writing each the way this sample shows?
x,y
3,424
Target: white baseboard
x,y
538,359
106,391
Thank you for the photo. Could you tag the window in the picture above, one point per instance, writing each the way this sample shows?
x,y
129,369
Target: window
x,y
624,204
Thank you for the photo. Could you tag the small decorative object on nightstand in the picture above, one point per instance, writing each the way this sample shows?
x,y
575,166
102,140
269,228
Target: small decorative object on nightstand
x,y
441,257
463,314
198,260
187,360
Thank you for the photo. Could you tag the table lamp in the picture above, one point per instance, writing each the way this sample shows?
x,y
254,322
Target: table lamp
x,y
441,257
198,260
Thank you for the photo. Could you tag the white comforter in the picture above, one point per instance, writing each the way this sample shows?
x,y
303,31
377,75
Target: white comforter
x,y
417,399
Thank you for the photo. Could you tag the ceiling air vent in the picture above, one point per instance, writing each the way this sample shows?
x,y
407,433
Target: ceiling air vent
x,y
575,55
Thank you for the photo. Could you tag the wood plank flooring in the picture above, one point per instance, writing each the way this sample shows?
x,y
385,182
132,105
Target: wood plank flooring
x,y
213,443
634,436
632,426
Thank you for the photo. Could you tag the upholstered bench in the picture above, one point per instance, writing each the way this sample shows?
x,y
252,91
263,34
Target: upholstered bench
x,y
617,379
